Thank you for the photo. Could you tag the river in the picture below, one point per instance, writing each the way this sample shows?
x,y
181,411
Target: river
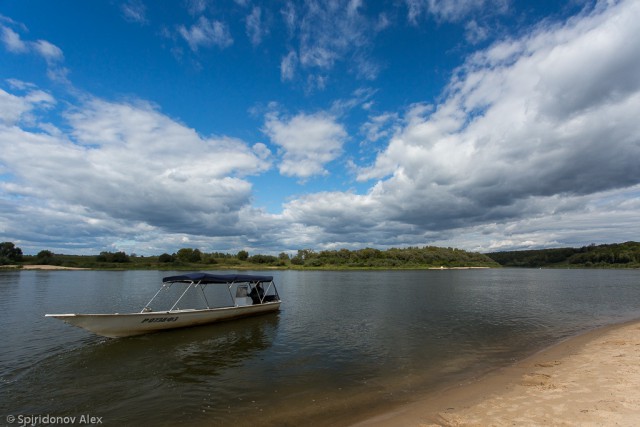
x,y
343,343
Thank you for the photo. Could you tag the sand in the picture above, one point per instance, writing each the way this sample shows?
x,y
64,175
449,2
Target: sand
x,y
42,267
589,380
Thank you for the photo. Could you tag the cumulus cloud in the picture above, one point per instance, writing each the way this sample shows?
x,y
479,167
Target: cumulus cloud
x,y
206,33
15,109
127,162
307,142
527,128
380,127
534,142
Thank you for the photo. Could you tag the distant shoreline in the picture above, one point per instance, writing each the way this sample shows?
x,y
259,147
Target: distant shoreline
x,y
59,267
280,268
40,267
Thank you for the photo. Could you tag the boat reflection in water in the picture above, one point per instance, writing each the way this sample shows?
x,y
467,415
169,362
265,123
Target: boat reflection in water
x,y
136,380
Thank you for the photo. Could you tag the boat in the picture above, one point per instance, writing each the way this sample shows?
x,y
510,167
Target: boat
x,y
249,295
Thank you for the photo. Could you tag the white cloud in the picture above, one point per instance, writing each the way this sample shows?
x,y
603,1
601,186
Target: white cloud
x,y
534,142
452,10
308,142
380,127
600,218
196,7
330,33
534,129
134,11
290,17
125,162
206,33
255,25
288,66
51,53
12,41
475,32
14,109
567,95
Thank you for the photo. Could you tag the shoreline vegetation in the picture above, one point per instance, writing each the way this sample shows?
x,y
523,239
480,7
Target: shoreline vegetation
x,y
615,255
621,255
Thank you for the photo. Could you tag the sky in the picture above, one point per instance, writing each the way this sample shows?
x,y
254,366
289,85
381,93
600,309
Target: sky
x,y
274,126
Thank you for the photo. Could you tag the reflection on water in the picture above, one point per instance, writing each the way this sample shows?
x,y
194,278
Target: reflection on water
x,y
126,377
342,342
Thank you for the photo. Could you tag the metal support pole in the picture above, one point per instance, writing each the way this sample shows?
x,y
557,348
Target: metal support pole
x,y
233,301
204,296
154,297
185,291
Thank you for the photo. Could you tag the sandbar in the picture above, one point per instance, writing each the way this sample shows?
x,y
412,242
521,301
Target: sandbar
x,y
42,267
589,380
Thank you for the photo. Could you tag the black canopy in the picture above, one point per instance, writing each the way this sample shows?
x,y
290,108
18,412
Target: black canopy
x,y
216,278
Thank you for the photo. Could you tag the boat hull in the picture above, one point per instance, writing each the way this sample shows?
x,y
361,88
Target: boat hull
x,y
130,324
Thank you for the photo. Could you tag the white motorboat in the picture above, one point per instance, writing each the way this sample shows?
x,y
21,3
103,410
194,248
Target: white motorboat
x,y
249,295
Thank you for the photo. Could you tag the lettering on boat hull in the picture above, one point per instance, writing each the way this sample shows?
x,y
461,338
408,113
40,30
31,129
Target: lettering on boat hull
x,y
159,319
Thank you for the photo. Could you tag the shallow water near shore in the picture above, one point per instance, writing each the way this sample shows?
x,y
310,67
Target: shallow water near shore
x,y
343,342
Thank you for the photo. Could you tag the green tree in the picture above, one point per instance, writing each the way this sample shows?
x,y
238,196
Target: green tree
x,y
243,255
189,255
45,257
119,257
9,253
165,258
263,259
283,256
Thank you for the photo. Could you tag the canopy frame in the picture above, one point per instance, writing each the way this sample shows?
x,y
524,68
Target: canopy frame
x,y
201,280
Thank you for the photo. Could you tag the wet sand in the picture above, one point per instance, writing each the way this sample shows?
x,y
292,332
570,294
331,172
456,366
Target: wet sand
x,y
592,379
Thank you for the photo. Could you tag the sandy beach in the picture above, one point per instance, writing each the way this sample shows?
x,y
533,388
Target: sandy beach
x,y
589,380
42,267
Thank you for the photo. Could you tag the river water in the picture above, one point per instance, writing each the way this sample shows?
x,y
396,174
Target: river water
x,y
342,343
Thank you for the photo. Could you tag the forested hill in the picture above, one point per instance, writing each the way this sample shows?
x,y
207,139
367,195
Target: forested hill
x,y
411,257
617,255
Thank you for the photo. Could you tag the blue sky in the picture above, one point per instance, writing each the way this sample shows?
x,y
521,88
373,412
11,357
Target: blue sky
x,y
276,126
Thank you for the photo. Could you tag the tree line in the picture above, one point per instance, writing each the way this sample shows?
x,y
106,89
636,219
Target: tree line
x,y
625,255
429,256
411,257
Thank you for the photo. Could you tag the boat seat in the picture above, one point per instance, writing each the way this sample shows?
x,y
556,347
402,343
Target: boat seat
x,y
242,295
244,301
